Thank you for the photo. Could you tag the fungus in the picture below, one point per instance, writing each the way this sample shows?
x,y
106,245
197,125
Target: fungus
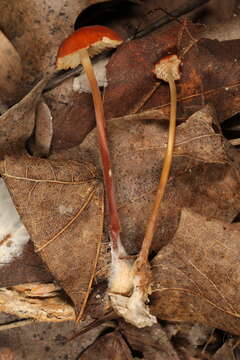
x,y
167,69
75,50
134,309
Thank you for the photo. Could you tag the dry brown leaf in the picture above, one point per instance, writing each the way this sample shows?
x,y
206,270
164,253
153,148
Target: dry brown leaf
x,y
73,115
10,72
17,123
61,205
227,30
196,276
210,73
202,177
108,347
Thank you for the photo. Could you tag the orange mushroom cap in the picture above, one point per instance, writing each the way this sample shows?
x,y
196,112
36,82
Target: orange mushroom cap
x,y
95,39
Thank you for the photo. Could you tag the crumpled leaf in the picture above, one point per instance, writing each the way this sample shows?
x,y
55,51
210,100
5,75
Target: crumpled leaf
x,y
18,122
109,347
210,73
196,277
43,131
40,144
202,176
61,205
10,72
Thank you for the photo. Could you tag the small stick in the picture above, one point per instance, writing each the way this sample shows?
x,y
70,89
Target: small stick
x,y
173,15
15,324
235,142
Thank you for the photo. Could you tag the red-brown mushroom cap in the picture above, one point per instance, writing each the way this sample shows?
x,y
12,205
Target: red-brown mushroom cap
x,y
94,39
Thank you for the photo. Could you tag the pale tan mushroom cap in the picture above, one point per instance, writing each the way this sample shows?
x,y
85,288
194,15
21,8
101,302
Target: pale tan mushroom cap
x,y
169,64
74,59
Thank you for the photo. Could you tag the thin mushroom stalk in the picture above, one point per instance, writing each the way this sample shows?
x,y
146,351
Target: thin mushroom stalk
x,y
167,163
121,268
104,151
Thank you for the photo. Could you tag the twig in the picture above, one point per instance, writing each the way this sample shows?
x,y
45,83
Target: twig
x,y
182,10
15,300
235,142
189,6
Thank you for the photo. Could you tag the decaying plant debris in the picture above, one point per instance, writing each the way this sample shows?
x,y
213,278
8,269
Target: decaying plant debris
x,y
51,166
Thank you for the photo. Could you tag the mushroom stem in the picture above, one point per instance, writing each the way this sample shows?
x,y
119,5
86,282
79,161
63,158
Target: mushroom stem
x,y
143,255
104,151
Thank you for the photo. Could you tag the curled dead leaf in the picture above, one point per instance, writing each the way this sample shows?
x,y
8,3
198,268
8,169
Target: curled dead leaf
x,y
43,131
210,74
18,122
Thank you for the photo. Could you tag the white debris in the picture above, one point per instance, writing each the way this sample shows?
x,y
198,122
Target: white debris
x,y
121,272
127,297
81,83
133,309
13,234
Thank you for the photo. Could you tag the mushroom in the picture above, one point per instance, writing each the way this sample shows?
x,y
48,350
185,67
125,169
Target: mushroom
x,y
167,69
134,309
77,49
